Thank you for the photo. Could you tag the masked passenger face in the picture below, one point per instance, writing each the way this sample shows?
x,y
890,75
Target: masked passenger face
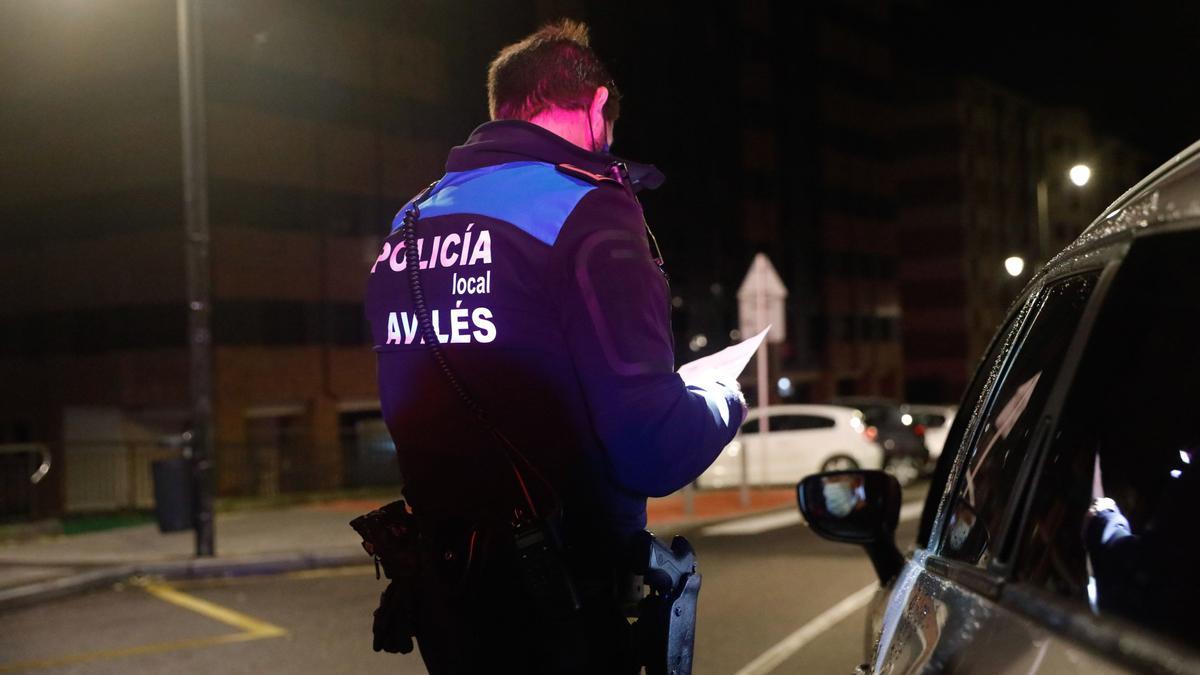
x,y
843,496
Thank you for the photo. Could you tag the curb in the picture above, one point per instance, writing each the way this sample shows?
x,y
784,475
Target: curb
x,y
53,589
41,591
687,525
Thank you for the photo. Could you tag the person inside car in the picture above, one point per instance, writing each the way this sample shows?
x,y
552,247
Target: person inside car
x,y
1146,571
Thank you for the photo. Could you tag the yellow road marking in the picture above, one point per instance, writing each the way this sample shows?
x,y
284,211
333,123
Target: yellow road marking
x,y
213,611
251,629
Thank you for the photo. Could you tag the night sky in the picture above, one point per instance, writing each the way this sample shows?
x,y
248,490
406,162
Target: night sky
x,y
1131,66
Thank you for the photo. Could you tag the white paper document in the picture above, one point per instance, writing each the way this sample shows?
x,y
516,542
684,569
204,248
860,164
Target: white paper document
x,y
725,365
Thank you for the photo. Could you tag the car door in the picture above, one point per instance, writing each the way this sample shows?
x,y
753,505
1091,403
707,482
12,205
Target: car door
x,y
942,614
754,449
799,444
1108,543
823,441
781,448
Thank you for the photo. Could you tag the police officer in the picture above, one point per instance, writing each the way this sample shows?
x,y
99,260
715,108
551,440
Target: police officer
x,y
538,279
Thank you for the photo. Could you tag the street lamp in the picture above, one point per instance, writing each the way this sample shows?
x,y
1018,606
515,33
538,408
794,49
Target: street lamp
x,y
196,243
1014,265
1080,174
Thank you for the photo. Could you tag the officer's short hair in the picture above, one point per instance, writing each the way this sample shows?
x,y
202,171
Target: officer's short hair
x,y
554,67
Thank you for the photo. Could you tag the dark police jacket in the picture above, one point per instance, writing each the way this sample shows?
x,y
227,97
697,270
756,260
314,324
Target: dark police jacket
x,y
543,291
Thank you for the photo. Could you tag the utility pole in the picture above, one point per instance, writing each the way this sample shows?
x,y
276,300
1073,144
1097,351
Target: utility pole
x,y
196,253
764,392
760,304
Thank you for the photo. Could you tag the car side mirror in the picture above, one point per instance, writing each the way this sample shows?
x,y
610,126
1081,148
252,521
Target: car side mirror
x,y
856,507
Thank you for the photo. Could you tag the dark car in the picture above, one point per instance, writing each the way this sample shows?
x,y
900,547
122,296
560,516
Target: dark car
x,y
1061,532
904,453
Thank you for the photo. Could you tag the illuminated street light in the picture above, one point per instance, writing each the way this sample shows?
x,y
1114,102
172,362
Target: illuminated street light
x,y
1014,265
784,385
1080,174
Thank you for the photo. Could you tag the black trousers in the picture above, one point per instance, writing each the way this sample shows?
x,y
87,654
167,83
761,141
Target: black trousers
x,y
478,620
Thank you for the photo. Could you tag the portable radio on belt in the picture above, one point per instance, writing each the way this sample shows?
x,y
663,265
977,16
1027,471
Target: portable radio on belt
x,y
536,537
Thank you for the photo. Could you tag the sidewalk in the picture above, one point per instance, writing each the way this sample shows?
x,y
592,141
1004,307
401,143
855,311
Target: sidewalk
x,y
261,541
709,505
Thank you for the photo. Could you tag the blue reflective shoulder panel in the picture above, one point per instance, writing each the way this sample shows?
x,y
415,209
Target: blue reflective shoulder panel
x,y
533,196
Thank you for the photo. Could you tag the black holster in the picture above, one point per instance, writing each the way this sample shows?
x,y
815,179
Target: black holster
x,y
665,631
392,538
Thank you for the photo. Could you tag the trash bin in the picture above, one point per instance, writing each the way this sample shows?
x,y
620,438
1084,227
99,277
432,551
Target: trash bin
x,y
173,502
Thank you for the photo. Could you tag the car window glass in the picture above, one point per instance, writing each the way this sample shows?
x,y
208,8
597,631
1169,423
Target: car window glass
x,y
785,423
941,472
818,422
799,422
989,478
1128,433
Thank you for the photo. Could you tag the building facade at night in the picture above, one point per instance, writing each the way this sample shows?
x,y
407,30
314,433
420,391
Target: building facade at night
x,y
811,183
972,158
321,121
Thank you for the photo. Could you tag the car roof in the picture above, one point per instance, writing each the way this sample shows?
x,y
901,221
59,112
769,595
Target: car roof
x,y
1169,194
803,409
1189,157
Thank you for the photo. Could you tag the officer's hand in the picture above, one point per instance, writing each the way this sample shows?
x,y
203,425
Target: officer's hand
x,y
741,398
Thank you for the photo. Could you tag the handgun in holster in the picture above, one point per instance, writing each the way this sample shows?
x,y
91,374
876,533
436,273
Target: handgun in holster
x,y
393,540
666,627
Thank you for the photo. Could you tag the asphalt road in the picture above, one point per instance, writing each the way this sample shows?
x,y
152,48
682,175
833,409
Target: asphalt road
x,y
775,598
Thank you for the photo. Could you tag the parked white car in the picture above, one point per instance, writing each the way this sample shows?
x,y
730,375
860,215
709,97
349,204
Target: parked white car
x,y
802,439
933,422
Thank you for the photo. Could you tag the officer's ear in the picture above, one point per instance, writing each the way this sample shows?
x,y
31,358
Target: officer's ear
x,y
600,129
